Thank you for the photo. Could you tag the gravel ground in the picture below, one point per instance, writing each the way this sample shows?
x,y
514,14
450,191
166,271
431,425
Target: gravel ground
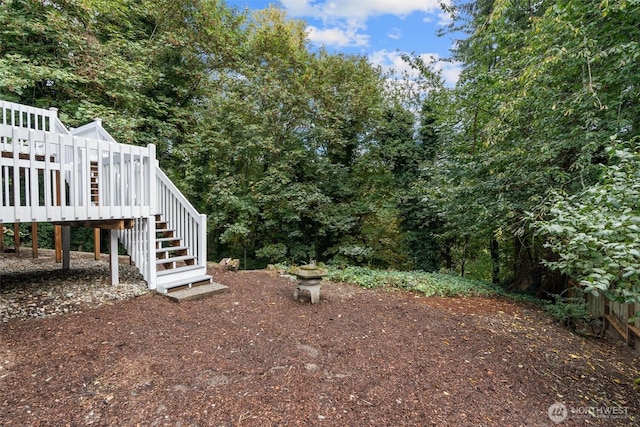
x,y
32,288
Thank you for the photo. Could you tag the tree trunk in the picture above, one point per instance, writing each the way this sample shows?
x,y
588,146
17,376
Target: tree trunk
x,y
495,262
245,257
523,266
463,260
446,255
528,272
552,282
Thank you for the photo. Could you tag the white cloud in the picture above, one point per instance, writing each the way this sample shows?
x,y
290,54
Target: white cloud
x,y
357,9
395,33
338,37
344,21
450,71
344,25
392,60
444,18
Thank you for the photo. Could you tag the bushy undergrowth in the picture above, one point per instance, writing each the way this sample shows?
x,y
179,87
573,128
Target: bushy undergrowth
x,y
448,285
429,284
571,311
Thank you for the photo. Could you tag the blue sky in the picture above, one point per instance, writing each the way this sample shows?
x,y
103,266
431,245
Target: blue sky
x,y
382,30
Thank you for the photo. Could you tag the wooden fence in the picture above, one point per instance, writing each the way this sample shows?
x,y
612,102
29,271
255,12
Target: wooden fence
x,y
616,315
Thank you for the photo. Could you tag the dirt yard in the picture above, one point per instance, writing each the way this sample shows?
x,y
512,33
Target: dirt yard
x,y
254,356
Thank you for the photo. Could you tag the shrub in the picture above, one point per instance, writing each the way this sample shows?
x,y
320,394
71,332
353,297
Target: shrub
x,y
570,311
429,284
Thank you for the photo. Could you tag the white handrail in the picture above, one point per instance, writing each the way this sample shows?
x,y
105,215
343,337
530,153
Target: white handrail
x,y
19,115
164,181
42,170
180,214
175,209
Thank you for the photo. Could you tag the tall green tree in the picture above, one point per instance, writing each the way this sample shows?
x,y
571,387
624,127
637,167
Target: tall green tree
x,y
281,148
545,85
292,154
137,65
407,148
346,110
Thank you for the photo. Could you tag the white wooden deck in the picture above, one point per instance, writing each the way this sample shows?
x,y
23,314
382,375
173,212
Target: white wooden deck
x,y
84,177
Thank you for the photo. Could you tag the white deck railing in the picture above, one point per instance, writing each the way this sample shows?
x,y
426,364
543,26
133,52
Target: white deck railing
x,y
49,175
23,116
181,216
140,244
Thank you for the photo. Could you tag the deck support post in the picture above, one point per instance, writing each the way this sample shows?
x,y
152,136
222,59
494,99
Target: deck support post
x,y
16,236
66,246
57,238
96,244
34,239
113,256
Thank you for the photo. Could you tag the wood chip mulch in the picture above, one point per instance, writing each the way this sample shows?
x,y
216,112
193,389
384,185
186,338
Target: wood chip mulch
x,y
254,356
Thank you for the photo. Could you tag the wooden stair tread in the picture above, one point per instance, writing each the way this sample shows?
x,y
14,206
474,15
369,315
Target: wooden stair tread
x,y
171,248
167,239
175,259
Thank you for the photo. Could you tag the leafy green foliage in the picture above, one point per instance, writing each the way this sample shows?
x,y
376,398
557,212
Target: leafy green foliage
x,y
544,86
283,145
274,253
134,64
571,311
280,146
297,154
596,233
429,284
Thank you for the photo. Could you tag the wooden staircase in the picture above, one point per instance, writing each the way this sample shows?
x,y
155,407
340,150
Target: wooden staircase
x,y
93,176
173,259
